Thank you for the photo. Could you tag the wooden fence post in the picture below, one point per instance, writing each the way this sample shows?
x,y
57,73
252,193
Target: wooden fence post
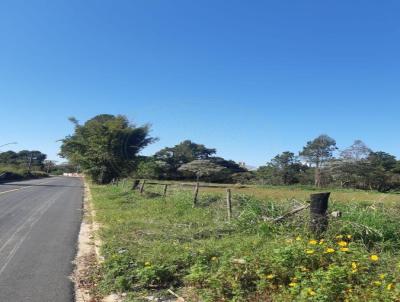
x,y
318,212
196,192
229,203
165,190
142,186
113,181
135,184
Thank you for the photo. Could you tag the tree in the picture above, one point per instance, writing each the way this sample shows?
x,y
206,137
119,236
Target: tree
x,y
201,168
149,168
106,146
382,160
283,169
24,158
180,154
9,157
317,152
357,151
349,170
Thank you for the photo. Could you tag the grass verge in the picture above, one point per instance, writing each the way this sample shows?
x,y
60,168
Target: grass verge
x,y
151,244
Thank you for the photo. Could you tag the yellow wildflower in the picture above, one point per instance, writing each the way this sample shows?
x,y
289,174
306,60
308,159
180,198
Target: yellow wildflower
x,y
214,258
311,292
321,241
382,276
147,263
270,276
390,286
344,249
329,250
339,236
374,258
377,283
349,236
298,238
354,265
342,243
292,284
313,242
310,252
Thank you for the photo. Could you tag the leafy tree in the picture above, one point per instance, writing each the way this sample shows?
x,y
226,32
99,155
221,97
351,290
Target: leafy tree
x,y
382,160
23,158
106,146
8,157
317,152
149,168
230,165
202,168
180,154
284,169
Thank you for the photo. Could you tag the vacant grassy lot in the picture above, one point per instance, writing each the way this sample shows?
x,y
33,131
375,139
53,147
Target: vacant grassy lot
x,y
152,244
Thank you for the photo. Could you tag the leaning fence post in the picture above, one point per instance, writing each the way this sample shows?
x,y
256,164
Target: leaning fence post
x,y
165,190
142,186
229,203
318,215
135,184
196,192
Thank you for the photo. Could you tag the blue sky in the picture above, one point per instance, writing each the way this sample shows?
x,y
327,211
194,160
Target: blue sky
x,y
250,78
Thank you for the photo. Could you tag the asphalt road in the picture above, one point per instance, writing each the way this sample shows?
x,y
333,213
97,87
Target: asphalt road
x,y
39,226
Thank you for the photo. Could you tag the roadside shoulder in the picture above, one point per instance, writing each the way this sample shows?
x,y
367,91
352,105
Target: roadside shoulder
x,y
88,257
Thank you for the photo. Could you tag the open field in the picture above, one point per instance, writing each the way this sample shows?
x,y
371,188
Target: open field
x,y
152,244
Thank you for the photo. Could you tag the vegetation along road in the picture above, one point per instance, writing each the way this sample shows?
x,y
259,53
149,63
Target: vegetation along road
x,y
39,225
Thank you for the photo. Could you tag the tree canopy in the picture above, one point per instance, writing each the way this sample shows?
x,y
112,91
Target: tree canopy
x,y
317,152
105,146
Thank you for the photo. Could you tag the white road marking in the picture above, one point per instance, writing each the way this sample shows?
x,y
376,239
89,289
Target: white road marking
x,y
13,190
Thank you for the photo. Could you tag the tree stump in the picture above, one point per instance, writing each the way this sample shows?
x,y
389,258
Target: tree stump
x,y
318,212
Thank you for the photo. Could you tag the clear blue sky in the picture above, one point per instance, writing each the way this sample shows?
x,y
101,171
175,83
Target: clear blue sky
x,y
250,78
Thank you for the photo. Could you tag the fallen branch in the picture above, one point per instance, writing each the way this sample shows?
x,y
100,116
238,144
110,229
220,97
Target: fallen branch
x,y
291,213
180,299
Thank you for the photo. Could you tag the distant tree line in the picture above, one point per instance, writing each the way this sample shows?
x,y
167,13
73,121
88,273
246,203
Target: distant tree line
x,y
355,167
33,160
26,158
109,146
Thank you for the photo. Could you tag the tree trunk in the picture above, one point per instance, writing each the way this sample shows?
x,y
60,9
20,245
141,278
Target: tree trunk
x,y
317,176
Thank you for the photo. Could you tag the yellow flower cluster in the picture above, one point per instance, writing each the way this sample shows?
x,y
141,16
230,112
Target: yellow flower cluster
x,y
374,258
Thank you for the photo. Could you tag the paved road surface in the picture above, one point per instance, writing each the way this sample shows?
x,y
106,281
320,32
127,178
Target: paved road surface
x,y
39,225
